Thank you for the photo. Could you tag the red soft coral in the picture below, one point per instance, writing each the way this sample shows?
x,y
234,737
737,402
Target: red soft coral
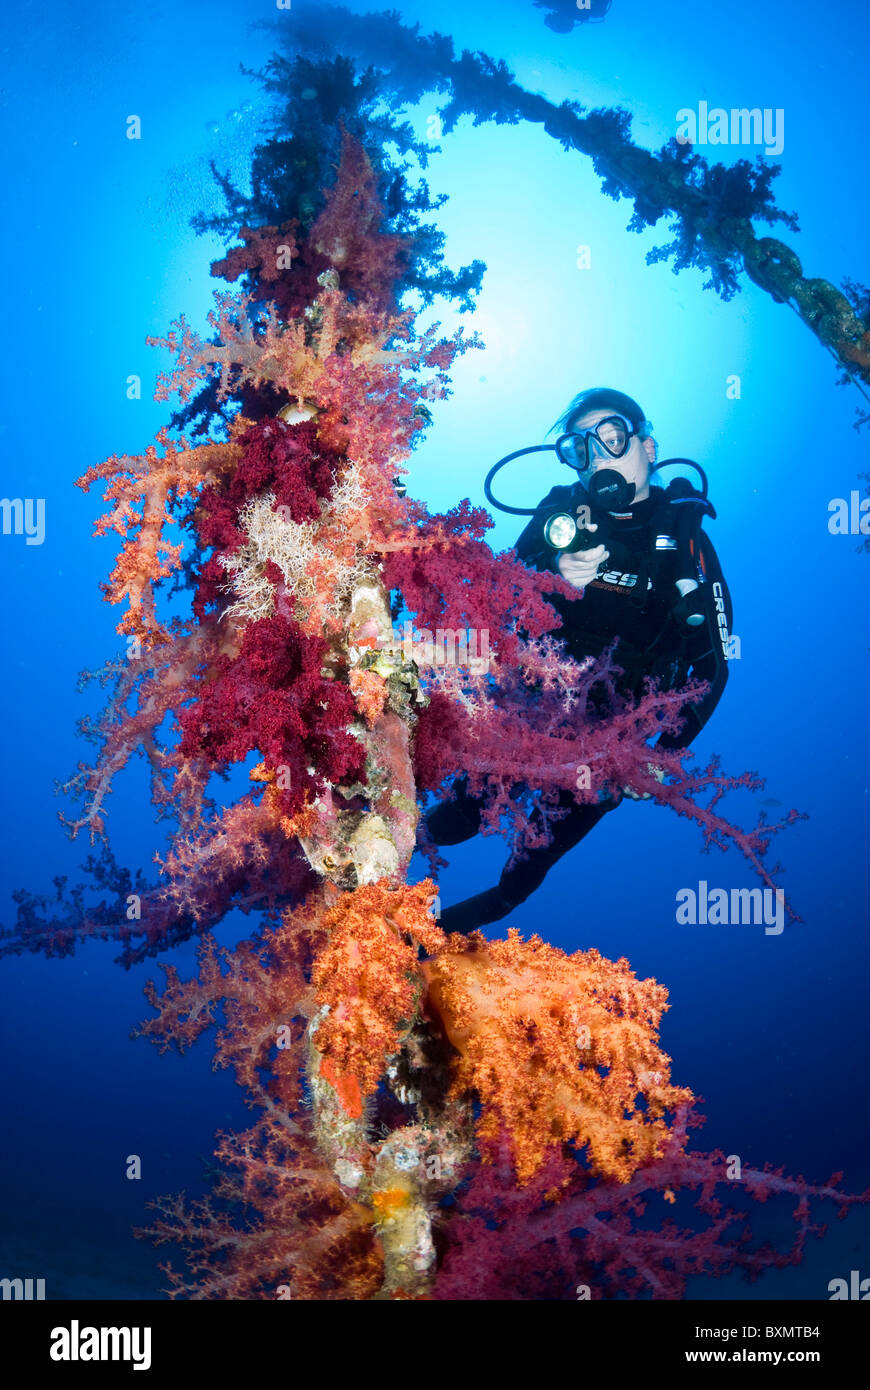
x,y
566,1235
271,698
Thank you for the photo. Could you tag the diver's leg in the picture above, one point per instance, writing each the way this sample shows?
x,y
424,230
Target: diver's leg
x,y
519,881
451,822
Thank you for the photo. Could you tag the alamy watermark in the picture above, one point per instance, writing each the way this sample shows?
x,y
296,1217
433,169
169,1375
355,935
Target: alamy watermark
x,y
740,126
737,907
449,646
77,1343
23,517
856,1288
849,517
24,1289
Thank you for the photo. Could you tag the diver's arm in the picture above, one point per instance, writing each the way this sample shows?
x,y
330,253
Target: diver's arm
x,y
531,547
707,653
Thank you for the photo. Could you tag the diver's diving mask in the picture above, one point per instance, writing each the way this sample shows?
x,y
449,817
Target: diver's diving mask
x,y
588,452
609,439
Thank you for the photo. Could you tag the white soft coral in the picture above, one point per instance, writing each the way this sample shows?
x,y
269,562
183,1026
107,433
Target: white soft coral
x,y
305,553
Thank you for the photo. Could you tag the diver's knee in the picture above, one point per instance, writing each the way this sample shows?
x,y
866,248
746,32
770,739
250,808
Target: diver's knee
x,y
451,822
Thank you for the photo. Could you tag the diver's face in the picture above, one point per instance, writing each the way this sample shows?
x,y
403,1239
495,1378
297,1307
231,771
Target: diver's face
x,y
634,465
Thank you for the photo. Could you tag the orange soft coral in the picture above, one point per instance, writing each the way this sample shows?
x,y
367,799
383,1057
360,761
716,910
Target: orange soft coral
x,y
369,977
370,693
559,1048
142,491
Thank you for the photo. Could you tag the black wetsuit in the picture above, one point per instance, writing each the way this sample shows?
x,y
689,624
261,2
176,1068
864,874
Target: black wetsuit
x,y
632,599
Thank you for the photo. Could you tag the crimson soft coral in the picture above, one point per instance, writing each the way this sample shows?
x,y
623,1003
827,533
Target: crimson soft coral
x,y
272,698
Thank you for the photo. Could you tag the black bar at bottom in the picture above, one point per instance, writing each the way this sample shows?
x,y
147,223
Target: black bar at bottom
x,y
160,1339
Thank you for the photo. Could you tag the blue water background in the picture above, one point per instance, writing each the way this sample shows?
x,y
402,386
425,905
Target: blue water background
x,y
770,1030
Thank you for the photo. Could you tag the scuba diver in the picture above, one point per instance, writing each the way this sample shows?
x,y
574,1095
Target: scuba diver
x,y
650,578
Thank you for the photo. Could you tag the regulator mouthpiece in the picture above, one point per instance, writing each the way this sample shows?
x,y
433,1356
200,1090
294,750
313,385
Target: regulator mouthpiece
x,y
611,490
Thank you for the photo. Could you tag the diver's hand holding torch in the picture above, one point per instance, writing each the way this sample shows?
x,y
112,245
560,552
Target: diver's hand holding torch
x,y
579,567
